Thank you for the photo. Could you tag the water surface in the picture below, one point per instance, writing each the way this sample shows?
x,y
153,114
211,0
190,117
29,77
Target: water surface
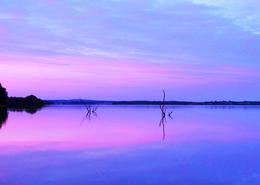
x,y
124,145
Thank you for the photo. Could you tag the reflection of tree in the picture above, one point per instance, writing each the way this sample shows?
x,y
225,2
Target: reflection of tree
x,y
90,113
162,124
4,113
3,116
30,110
163,120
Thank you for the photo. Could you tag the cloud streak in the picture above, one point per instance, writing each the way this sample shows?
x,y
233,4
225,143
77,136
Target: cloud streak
x,y
244,13
131,45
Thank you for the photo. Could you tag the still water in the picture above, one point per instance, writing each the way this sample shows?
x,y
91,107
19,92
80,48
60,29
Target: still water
x,y
125,145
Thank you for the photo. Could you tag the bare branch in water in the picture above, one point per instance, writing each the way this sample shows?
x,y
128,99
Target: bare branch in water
x,y
164,113
90,111
170,115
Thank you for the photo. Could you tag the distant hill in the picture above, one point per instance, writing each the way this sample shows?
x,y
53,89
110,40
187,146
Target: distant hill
x,y
76,102
186,103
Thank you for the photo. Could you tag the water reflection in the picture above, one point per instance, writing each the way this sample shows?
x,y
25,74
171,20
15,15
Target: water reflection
x,y
30,110
201,148
3,116
162,124
129,126
91,112
4,113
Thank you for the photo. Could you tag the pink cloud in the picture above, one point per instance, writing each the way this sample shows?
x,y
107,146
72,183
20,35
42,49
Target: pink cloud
x,y
81,74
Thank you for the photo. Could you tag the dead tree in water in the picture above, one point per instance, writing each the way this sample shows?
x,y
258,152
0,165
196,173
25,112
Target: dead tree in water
x,y
164,113
163,107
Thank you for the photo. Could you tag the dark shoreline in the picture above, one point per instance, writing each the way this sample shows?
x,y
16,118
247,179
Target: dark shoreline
x,y
30,104
94,102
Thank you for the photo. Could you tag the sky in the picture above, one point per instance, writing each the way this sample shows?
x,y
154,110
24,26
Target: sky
x,y
196,50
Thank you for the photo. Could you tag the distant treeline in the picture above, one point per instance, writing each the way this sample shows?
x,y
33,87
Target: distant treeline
x,y
186,103
76,102
29,101
84,102
20,103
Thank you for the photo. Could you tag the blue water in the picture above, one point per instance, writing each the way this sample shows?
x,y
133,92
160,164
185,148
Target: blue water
x,y
125,146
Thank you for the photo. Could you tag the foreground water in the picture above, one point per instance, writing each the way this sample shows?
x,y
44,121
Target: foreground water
x,y
126,146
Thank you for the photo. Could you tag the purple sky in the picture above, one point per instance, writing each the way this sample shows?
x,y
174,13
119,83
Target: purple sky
x,y
131,49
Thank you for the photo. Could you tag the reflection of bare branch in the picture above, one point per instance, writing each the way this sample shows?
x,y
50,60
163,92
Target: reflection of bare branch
x,y
170,115
163,128
162,124
90,112
94,109
89,116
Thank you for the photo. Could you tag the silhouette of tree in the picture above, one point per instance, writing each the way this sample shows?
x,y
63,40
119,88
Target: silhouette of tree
x,y
3,95
27,102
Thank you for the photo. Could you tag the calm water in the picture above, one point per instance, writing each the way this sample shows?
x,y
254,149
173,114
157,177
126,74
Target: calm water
x,y
125,146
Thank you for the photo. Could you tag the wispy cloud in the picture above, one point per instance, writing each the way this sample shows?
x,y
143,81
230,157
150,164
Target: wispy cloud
x,y
182,42
80,76
243,13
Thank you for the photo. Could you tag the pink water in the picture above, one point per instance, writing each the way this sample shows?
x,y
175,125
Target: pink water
x,y
125,145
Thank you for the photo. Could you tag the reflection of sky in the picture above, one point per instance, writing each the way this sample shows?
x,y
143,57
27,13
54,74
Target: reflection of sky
x,y
124,146
62,128
192,48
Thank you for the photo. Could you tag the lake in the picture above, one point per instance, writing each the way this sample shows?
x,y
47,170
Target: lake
x,y
127,145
